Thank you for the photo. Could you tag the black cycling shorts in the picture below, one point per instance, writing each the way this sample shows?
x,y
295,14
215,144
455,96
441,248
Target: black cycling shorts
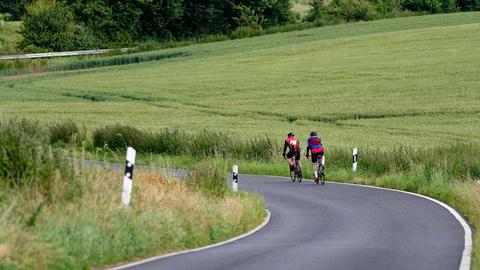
x,y
316,156
296,154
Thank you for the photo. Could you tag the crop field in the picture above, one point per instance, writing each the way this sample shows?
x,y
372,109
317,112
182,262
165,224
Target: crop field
x,y
407,81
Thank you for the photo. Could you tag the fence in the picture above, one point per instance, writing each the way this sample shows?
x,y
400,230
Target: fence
x,y
59,54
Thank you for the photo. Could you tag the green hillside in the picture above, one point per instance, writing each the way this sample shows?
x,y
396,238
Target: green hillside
x,y
406,81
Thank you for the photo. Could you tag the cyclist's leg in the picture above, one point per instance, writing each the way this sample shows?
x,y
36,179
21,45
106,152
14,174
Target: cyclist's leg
x,y
290,161
297,162
322,162
315,165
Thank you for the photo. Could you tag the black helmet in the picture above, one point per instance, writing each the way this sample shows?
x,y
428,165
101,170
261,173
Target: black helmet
x,y
290,134
313,133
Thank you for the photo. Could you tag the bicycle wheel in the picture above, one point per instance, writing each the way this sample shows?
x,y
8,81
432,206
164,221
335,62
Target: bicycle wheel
x,y
300,177
321,174
292,174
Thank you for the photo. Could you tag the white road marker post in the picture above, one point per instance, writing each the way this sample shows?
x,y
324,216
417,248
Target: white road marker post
x,y
235,178
354,159
128,178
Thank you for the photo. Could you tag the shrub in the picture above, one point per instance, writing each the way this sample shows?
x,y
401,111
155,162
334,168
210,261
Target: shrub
x,y
352,10
48,25
28,161
245,32
66,132
387,8
247,17
431,6
316,12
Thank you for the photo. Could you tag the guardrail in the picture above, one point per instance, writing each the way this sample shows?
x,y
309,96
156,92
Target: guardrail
x,y
60,54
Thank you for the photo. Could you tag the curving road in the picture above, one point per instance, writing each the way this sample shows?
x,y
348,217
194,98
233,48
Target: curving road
x,y
335,227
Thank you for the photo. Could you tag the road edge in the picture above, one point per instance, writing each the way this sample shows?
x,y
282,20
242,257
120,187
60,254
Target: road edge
x,y
465,262
254,230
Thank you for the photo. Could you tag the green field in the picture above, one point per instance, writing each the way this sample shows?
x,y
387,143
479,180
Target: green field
x,y
407,81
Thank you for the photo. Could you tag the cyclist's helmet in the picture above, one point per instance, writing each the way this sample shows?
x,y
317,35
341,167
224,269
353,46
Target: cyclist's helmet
x,y
290,134
313,133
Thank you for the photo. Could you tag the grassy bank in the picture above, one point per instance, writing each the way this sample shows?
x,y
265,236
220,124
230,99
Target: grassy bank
x,y
55,215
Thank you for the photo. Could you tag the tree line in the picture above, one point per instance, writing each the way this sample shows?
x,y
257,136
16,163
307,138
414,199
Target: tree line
x,y
59,25
79,24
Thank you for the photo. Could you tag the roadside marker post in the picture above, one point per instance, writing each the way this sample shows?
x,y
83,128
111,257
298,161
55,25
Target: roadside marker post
x,y
354,159
128,177
235,178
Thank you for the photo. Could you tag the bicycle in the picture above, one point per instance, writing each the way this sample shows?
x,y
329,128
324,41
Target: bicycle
x,y
320,171
294,173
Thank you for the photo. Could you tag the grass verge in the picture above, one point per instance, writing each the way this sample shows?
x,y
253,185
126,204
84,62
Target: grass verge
x,y
54,215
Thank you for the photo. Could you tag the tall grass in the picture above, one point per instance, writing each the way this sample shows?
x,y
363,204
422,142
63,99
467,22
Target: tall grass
x,y
177,142
53,216
456,161
19,67
210,178
66,133
114,61
94,230
28,162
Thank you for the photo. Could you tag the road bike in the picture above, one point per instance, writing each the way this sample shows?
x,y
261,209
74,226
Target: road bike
x,y
295,174
320,171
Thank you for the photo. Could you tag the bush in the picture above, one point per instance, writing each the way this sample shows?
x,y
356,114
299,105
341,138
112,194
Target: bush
x,y
67,132
316,12
48,25
28,161
387,8
247,17
431,6
351,10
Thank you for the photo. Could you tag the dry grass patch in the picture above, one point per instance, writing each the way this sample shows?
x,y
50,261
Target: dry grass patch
x,y
93,230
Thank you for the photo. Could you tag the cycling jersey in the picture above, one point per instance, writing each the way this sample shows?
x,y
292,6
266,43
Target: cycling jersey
x,y
314,144
292,144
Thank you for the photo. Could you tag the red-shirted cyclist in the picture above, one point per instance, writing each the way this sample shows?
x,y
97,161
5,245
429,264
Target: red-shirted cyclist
x,y
293,150
314,144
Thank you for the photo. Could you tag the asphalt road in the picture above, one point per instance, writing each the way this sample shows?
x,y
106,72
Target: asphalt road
x,y
335,227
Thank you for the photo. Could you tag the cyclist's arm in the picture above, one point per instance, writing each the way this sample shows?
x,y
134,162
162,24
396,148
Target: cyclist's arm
x,y
284,148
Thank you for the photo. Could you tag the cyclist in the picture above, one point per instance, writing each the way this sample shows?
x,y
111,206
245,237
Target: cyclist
x,y
314,144
293,150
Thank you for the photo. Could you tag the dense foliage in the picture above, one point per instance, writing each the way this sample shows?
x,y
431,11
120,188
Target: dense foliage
x,y
80,24
53,25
